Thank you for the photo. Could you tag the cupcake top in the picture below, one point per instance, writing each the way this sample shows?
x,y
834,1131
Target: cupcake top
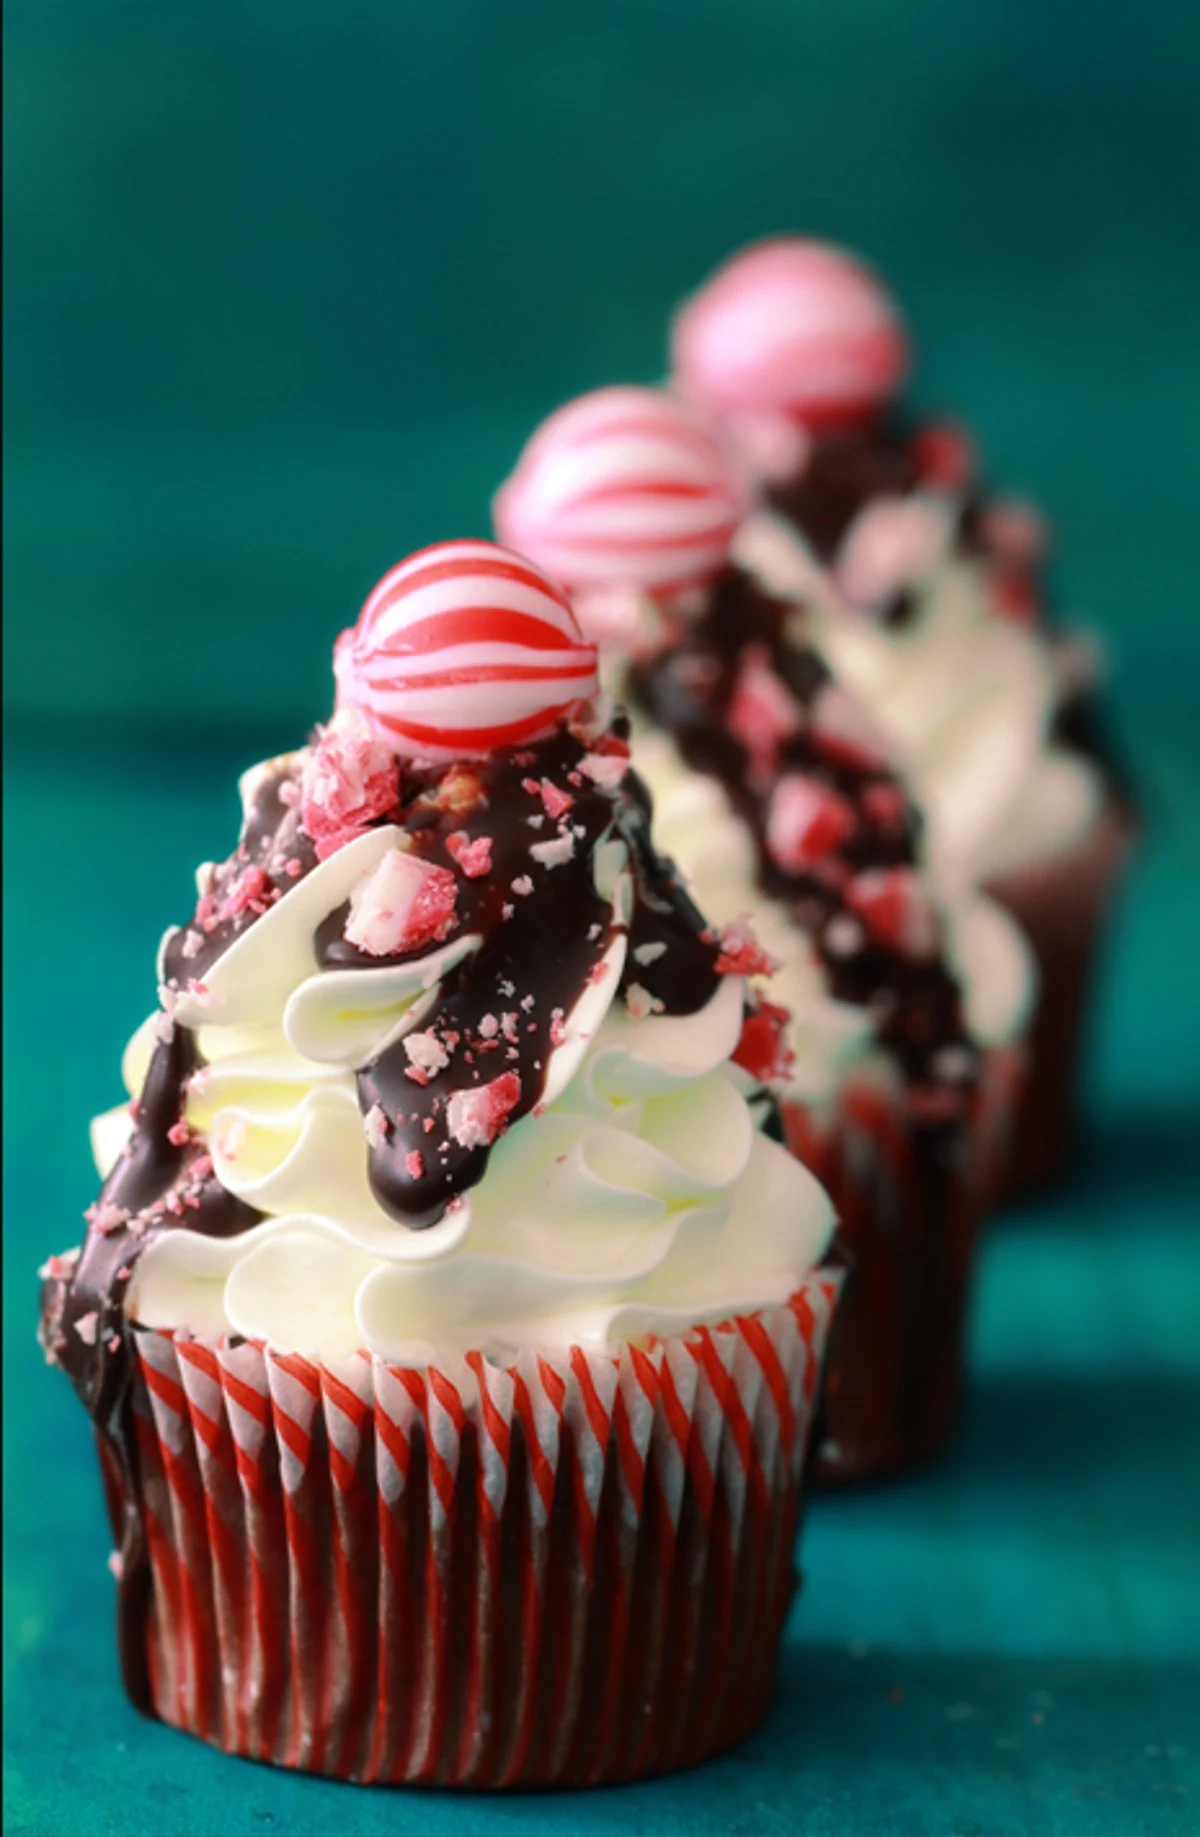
x,y
444,1056
771,787
929,595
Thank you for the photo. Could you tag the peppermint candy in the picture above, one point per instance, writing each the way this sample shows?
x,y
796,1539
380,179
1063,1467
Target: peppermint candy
x,y
626,488
806,823
792,329
897,910
462,649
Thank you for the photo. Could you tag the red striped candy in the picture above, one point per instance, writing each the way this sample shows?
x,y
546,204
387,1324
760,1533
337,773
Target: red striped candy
x,y
462,649
623,488
794,328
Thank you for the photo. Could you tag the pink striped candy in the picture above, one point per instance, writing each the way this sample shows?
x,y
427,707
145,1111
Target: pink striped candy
x,y
794,328
623,488
462,649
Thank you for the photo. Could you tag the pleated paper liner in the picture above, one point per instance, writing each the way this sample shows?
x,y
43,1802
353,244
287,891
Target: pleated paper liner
x,y
1063,905
569,1571
909,1203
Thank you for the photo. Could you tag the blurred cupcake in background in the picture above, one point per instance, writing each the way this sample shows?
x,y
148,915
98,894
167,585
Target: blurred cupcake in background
x,y
773,792
628,497
929,597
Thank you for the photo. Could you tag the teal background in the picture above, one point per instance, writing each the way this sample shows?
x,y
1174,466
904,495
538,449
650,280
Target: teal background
x,y
287,286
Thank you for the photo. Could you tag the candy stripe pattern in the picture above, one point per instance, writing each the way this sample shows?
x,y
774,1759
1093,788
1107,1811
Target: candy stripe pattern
x,y
790,327
565,1572
893,1384
461,649
623,487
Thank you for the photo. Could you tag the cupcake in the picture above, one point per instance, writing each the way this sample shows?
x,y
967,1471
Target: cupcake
x,y
451,1316
772,790
932,604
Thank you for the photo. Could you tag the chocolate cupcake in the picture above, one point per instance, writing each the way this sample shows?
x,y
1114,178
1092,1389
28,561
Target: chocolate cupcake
x,y
773,792
933,606
450,1319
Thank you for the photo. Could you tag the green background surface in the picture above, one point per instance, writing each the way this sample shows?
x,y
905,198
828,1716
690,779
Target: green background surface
x,y
287,286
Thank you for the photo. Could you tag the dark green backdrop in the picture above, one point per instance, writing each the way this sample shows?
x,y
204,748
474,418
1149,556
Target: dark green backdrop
x,y
287,285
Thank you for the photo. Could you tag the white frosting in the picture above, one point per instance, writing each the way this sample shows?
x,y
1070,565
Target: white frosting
x,y
640,1198
966,696
695,824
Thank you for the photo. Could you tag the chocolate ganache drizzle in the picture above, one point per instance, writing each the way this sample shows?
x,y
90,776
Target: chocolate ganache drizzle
x,y
535,817
893,456
889,457
749,703
512,841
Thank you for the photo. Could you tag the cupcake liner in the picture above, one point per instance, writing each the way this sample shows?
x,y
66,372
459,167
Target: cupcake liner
x,y
909,1200
568,1571
1063,905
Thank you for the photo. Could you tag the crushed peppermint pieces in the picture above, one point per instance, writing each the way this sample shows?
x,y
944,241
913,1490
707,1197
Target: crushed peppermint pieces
x,y
476,1117
896,909
762,711
376,1126
805,823
105,1218
740,952
402,904
350,778
87,1326
425,1053
555,853
474,858
556,802
58,1268
646,954
641,1003
763,1050
606,770
251,892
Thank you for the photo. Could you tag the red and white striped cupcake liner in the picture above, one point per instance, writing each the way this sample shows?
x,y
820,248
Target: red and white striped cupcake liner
x,y
568,1571
895,1366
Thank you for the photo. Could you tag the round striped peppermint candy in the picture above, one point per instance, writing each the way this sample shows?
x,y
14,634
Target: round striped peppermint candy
x,y
462,649
790,327
623,487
